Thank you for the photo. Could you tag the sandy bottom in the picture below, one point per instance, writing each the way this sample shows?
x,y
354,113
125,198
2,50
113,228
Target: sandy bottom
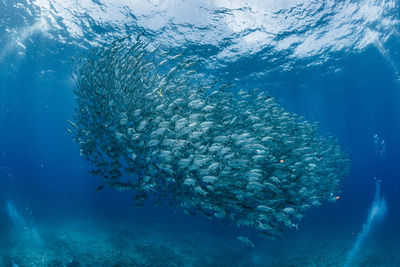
x,y
87,242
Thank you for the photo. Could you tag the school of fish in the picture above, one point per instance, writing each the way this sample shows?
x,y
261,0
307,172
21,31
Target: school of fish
x,y
150,124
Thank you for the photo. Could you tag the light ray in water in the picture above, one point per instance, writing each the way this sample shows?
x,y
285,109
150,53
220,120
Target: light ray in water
x,y
15,217
376,213
20,224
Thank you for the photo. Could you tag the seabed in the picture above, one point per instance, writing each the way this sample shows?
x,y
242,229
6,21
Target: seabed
x,y
101,242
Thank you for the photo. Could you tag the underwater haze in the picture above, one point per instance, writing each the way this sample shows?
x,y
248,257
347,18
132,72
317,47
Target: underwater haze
x,y
199,133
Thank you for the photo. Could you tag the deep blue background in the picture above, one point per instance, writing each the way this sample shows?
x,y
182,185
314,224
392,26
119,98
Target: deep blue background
x,y
43,174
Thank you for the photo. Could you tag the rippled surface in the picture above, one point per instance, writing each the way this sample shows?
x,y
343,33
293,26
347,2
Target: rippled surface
x,y
223,31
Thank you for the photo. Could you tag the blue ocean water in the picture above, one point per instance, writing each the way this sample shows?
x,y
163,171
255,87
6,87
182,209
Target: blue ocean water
x,y
335,62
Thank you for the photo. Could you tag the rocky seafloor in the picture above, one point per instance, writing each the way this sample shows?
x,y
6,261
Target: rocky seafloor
x,y
159,242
